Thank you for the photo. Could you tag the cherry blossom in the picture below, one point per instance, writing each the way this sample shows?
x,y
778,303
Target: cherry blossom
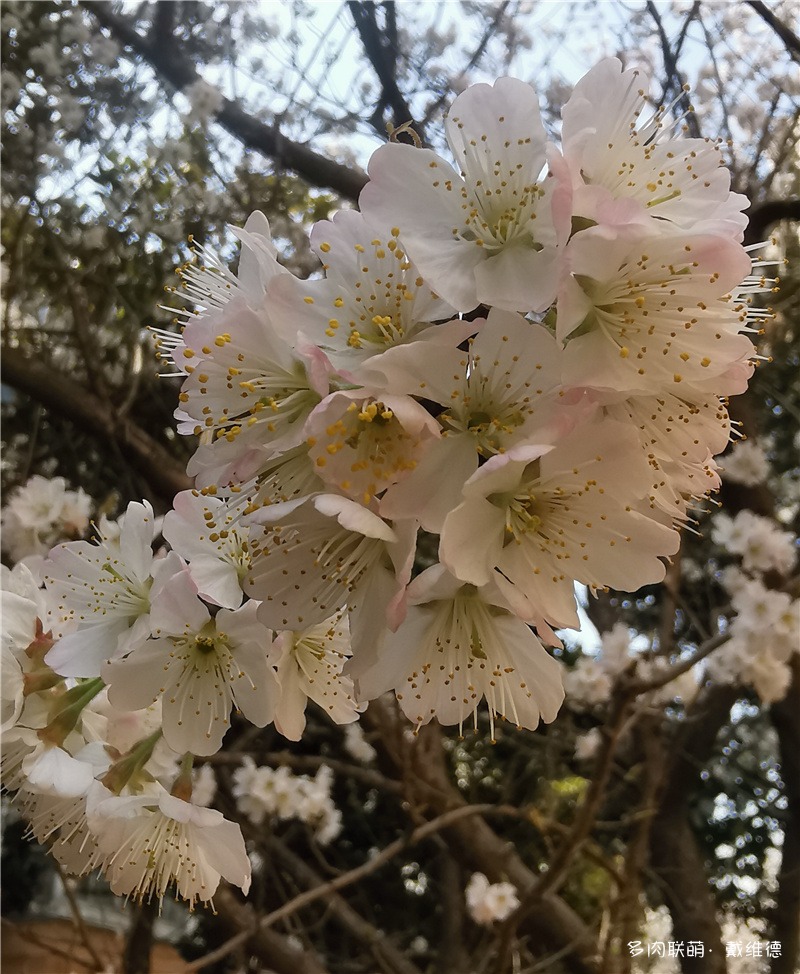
x,y
492,234
152,841
199,666
626,172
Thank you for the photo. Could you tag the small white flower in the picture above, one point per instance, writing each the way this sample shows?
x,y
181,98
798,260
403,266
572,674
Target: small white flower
x,y
586,745
204,100
488,902
746,463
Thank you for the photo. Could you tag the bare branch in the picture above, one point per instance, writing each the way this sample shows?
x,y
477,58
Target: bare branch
x,y
786,34
348,878
179,71
382,57
376,940
674,77
70,400
786,914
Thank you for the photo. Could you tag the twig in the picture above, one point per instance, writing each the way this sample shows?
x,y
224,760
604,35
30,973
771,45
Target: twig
x,y
789,38
671,64
348,878
50,947
178,70
80,923
579,831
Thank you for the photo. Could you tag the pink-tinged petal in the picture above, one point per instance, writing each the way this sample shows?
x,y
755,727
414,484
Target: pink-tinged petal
x,y
472,540
82,654
177,609
318,365
519,278
433,489
353,517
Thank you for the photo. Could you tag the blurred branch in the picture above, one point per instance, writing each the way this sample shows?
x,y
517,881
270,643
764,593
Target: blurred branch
x,y
278,954
80,923
766,215
786,914
499,13
382,56
70,400
578,833
385,953
674,851
674,78
347,879
786,34
474,841
171,66
139,939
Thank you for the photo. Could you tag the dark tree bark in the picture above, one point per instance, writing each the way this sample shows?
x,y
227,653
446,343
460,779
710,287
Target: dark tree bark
x,y
273,949
69,400
674,851
786,915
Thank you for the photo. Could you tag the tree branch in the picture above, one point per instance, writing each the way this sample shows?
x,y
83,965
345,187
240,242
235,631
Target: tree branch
x,y
346,879
671,64
766,215
674,851
786,915
383,60
171,66
376,940
272,948
553,924
786,34
69,400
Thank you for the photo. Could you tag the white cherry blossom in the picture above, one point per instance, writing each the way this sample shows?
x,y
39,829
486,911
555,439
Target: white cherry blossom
x,y
491,233
536,519
626,172
372,297
644,312
199,666
457,646
309,667
488,902
206,531
153,841
101,591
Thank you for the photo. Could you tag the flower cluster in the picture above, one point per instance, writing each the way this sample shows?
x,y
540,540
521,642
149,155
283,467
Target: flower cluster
x,y
763,632
520,352
41,513
275,793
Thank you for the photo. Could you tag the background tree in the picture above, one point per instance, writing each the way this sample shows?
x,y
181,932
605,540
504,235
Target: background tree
x,y
128,130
